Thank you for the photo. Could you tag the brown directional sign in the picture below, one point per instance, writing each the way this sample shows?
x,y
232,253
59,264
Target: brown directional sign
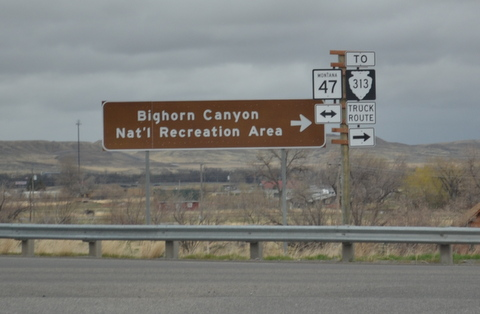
x,y
211,124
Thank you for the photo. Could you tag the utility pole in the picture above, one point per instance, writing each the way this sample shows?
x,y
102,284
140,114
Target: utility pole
x,y
201,181
78,144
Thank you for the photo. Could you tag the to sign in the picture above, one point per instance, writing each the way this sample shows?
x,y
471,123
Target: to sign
x,y
361,137
327,84
360,58
211,124
360,84
361,113
328,114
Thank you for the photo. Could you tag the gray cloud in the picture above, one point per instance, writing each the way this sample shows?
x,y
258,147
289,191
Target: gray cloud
x,y
59,60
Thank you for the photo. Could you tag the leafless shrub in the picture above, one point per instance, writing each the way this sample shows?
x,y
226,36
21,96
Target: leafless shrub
x,y
257,208
12,205
60,210
128,208
374,182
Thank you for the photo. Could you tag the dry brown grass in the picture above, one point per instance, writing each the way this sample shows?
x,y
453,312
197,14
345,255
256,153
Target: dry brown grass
x,y
133,249
10,246
156,249
125,249
61,247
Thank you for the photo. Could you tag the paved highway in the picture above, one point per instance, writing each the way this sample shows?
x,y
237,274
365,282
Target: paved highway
x,y
83,285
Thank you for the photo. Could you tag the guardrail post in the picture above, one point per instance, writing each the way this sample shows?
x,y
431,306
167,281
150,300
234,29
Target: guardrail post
x,y
28,248
95,249
446,256
348,252
171,249
256,250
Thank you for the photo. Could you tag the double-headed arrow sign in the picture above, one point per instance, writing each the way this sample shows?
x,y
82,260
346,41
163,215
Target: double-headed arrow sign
x,y
216,124
327,113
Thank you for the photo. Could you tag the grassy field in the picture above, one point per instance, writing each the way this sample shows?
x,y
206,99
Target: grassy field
x,y
248,208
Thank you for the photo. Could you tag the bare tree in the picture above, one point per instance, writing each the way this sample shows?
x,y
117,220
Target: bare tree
x,y
451,174
471,186
73,180
268,165
374,180
473,168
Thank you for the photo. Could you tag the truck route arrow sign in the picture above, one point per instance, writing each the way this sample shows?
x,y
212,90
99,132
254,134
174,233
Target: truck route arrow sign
x,y
361,137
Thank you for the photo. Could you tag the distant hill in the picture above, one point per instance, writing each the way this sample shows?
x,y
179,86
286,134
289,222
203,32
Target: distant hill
x,y
43,156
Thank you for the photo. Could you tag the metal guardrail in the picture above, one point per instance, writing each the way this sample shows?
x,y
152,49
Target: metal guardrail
x,y
254,234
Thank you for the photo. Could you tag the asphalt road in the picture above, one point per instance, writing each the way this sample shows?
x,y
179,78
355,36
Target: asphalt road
x,y
83,285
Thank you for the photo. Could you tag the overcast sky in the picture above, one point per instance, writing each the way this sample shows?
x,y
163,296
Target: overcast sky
x,y
59,59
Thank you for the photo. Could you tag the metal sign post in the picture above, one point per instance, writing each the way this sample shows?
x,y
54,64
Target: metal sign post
x,y
284,195
147,187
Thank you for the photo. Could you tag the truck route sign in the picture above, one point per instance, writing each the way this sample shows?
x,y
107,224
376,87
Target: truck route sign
x,y
216,124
